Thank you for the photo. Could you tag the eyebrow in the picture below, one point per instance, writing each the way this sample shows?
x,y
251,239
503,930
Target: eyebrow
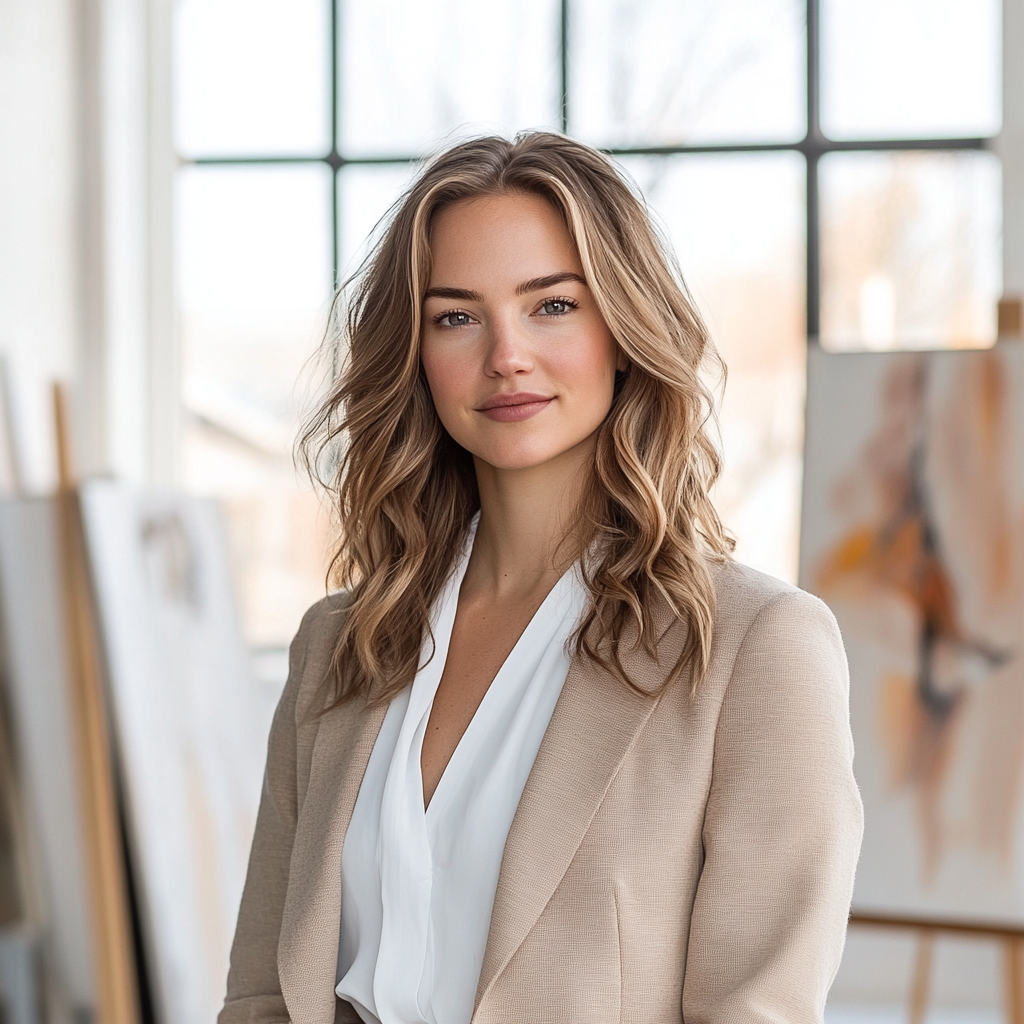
x,y
533,285
453,293
537,283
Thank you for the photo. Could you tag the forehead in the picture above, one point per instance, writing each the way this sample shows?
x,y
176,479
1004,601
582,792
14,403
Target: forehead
x,y
502,238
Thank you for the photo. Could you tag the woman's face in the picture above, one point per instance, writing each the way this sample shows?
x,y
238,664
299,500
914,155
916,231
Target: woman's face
x,y
520,364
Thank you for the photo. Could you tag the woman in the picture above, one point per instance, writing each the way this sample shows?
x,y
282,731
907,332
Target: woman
x,y
550,756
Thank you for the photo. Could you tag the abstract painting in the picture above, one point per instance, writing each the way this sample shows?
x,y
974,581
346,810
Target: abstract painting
x,y
913,532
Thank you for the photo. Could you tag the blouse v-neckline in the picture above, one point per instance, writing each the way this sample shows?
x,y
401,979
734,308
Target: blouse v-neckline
x,y
418,883
493,692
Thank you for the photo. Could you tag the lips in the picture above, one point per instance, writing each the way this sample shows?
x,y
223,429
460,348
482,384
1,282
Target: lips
x,y
519,405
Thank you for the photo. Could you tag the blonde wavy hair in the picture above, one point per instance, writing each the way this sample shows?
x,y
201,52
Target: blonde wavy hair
x,y
404,492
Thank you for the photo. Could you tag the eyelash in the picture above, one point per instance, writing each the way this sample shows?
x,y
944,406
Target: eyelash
x,y
448,312
563,299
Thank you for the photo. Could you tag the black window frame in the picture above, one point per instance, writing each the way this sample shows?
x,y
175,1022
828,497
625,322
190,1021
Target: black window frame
x,y
813,146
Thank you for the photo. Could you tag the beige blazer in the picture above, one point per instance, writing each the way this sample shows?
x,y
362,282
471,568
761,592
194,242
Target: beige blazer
x,y
670,859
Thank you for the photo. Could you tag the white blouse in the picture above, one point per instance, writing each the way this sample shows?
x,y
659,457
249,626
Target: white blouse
x,y
418,887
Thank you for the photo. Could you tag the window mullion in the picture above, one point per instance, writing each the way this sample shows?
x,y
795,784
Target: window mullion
x,y
812,152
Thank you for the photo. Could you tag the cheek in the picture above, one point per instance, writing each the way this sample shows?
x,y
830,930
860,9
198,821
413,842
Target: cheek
x,y
446,378
591,366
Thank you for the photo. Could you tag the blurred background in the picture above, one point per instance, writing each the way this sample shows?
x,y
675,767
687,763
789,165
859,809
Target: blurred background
x,y
184,182
181,184
844,187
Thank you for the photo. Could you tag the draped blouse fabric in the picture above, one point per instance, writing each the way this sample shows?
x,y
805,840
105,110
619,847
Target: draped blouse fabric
x,y
418,886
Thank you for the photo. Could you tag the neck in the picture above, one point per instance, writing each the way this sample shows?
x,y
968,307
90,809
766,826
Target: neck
x,y
523,539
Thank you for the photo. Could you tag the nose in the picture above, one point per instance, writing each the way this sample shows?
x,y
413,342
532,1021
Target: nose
x,y
508,350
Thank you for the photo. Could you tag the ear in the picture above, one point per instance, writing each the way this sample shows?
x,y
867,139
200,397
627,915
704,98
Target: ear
x,y
621,361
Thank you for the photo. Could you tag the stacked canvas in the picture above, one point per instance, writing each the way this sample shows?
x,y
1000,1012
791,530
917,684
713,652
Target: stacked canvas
x,y
188,731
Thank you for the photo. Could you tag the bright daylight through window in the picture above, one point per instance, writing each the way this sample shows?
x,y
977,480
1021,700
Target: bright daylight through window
x,y
800,198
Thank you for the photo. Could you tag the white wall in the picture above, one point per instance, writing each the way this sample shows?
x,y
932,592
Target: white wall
x,y
85,210
137,393
40,315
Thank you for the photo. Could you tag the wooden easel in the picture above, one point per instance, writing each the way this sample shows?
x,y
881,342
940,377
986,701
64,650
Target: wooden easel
x,y
18,905
1010,938
114,954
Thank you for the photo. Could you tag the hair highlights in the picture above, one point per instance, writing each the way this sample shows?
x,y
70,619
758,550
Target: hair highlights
x,y
405,492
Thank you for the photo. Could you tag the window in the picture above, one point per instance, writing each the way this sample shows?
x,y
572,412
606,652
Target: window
x,y
821,167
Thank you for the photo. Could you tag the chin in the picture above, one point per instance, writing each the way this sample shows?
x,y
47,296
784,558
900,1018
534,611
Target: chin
x,y
524,456
516,460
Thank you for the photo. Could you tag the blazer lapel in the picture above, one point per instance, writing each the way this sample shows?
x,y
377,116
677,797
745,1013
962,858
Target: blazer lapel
x,y
594,725
308,948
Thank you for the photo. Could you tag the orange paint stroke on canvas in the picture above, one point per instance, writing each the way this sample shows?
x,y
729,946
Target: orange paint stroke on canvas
x,y
898,545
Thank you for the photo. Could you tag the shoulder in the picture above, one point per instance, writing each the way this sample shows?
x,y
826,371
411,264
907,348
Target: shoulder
x,y
774,642
313,649
748,600
762,627
322,622
778,692
767,635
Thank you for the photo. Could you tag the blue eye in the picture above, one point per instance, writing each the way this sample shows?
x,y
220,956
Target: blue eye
x,y
558,307
453,318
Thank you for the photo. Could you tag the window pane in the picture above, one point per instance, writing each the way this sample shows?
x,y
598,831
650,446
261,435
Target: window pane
x,y
662,72
737,224
910,68
255,273
366,195
252,77
415,70
910,250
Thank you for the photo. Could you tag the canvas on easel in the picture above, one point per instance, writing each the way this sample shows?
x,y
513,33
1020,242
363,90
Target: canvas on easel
x,y
189,728
55,686
913,532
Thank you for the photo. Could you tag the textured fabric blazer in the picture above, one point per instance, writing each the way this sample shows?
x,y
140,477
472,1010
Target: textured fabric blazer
x,y
672,858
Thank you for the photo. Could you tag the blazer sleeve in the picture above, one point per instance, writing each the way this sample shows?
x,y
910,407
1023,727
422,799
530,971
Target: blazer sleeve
x,y
253,988
782,829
